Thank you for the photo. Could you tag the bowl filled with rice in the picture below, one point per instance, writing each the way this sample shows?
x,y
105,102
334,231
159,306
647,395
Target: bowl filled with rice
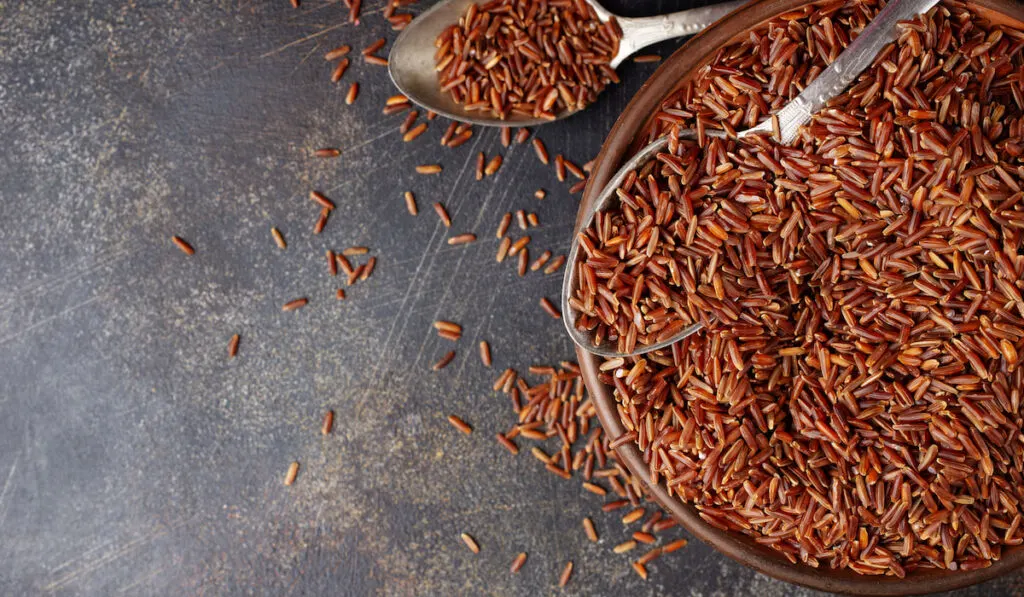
x,y
849,418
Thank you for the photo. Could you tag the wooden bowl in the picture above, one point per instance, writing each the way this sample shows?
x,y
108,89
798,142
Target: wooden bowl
x,y
624,138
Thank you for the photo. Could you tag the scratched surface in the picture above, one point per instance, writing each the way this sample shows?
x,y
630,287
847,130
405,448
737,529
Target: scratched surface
x,y
135,459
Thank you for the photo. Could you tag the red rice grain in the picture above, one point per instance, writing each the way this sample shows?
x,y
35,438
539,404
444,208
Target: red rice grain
x,y
624,546
540,261
293,472
521,219
447,326
540,150
415,132
460,138
550,308
503,248
574,169
518,246
460,424
183,245
444,361
372,48
503,225
517,564
633,516
509,444
319,198
295,304
563,579
344,264
443,214
493,166
640,569
371,264
332,263
321,220
555,264
337,53
560,167
470,543
410,119
278,238
339,70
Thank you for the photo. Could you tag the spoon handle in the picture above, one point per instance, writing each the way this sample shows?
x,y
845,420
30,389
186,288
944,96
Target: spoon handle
x,y
851,62
638,33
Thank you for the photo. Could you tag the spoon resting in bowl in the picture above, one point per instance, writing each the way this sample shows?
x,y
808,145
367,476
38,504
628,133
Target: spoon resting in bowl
x,y
784,124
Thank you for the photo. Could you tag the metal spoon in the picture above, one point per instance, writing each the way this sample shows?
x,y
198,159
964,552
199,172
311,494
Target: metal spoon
x,y
412,68
831,82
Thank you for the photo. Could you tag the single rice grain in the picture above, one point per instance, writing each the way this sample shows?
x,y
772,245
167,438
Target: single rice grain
x,y
460,424
517,563
485,353
443,214
337,53
278,238
183,245
563,579
295,304
293,472
444,361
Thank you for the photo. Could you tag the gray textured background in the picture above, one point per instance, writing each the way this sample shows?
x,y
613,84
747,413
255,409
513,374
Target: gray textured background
x,y
135,459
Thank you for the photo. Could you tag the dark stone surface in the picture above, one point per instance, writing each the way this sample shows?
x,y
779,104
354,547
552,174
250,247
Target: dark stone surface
x,y
135,459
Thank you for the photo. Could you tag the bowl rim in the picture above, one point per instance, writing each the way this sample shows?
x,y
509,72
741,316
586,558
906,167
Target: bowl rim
x,y
618,145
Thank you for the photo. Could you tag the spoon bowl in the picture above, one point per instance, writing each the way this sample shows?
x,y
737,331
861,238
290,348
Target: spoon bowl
x,y
571,280
412,67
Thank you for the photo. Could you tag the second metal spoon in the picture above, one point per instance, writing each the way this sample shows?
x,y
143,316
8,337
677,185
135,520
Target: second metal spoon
x,y
412,68
831,82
